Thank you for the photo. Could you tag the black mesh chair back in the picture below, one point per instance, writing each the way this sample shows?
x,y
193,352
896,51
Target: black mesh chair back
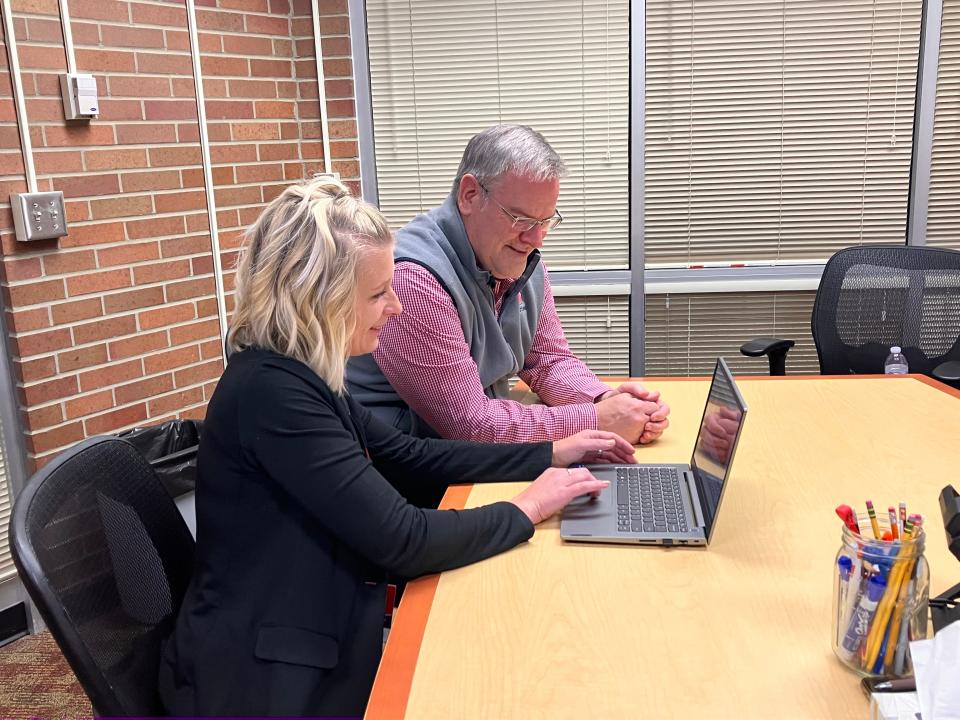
x,y
106,557
875,296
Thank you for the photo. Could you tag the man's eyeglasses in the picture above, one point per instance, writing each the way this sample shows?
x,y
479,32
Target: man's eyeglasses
x,y
526,224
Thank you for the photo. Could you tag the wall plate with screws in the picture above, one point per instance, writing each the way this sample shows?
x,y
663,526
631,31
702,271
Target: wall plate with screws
x,y
38,216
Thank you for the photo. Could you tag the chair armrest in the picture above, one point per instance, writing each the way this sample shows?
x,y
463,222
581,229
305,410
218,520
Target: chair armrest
x,y
948,372
774,348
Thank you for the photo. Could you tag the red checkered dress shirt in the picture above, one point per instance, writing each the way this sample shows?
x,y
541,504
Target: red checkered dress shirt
x,y
425,357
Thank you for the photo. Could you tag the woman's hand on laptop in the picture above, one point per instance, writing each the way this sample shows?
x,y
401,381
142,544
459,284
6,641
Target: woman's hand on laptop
x,y
550,493
592,446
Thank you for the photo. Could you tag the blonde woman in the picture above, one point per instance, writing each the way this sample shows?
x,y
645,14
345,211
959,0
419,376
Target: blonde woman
x,y
301,514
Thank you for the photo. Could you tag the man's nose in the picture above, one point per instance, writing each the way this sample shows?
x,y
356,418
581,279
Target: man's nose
x,y
534,236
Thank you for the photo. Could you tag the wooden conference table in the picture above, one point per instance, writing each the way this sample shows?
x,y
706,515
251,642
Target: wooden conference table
x,y
741,629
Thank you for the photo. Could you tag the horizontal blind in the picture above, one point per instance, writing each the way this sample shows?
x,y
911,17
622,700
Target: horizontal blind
x,y
440,72
598,330
686,332
7,568
777,130
943,214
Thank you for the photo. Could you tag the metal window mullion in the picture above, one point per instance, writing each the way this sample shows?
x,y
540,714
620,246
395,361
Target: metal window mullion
x,y
363,101
636,142
931,17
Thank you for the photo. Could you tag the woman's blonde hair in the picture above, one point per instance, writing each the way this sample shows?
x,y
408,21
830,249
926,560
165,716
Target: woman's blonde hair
x,y
297,275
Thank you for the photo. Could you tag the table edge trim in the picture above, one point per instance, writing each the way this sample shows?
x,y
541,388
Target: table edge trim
x,y
394,679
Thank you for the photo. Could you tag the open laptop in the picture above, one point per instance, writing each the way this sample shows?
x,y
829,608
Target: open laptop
x,y
666,504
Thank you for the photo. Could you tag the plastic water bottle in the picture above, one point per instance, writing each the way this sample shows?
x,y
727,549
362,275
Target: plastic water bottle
x,y
896,363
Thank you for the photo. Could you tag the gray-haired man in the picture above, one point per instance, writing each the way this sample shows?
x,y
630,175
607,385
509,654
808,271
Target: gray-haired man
x,y
478,310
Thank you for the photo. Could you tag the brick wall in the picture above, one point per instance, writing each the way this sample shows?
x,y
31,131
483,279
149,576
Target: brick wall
x,y
116,324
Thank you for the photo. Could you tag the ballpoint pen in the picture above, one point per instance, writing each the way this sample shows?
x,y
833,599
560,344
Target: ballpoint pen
x,y
845,565
900,657
871,685
878,665
896,685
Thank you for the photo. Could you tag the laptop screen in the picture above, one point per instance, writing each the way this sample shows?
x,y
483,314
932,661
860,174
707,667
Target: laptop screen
x,y
717,440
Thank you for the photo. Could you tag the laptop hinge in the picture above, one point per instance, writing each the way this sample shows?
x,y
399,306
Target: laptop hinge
x,y
691,484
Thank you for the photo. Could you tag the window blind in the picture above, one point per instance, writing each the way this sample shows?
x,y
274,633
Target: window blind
x,y
440,72
776,130
943,214
598,330
7,568
686,332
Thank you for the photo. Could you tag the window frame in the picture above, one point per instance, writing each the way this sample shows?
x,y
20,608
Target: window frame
x,y
637,281
12,591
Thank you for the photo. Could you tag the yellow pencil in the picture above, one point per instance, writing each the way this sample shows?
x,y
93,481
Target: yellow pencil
x,y
882,614
894,635
875,636
873,520
902,569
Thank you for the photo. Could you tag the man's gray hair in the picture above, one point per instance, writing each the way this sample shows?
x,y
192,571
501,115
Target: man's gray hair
x,y
509,148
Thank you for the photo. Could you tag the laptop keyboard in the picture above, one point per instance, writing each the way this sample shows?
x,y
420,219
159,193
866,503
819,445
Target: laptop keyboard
x,y
648,500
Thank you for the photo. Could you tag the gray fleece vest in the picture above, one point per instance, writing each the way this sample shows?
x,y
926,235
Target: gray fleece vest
x,y
438,242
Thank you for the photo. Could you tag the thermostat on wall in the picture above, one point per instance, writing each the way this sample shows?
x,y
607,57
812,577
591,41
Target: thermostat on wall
x,y
80,100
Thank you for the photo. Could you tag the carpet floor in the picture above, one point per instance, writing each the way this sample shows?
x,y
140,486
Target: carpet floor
x,y
36,682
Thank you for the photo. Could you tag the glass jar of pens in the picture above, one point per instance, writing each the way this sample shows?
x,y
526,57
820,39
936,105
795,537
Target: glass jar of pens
x,y
881,589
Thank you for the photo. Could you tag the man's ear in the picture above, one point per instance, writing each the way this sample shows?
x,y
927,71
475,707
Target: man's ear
x,y
469,195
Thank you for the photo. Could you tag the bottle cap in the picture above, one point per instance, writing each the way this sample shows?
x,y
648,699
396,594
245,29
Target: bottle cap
x,y
895,349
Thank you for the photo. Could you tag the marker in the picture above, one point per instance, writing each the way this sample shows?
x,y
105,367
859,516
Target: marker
x,y
873,520
860,619
894,525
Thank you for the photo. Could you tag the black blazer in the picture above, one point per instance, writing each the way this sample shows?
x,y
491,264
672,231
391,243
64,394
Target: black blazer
x,y
300,517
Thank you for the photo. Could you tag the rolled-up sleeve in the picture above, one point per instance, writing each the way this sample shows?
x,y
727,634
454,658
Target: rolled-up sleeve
x,y
425,357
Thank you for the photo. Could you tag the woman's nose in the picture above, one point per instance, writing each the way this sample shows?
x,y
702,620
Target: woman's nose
x,y
394,307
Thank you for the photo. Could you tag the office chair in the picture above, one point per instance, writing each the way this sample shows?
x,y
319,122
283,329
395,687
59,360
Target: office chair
x,y
106,557
872,297
945,608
